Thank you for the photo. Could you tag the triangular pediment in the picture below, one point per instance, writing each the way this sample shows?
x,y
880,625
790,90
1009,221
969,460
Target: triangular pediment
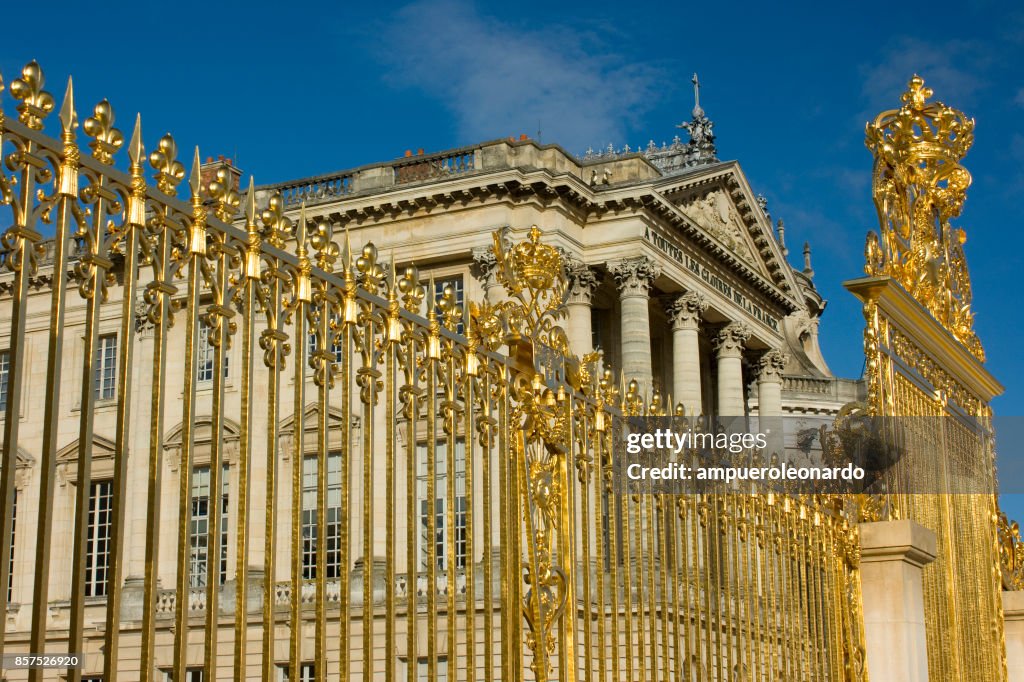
x,y
310,419
102,448
720,202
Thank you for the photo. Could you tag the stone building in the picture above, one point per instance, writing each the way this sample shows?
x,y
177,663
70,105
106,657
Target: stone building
x,y
679,277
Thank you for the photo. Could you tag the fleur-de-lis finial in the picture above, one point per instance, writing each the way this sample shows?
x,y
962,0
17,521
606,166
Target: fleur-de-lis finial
x,y
222,191
169,171
917,94
411,289
278,226
322,242
252,267
107,139
371,271
34,102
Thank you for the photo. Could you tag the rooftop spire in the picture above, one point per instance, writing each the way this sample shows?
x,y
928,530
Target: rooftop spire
x,y
697,111
701,147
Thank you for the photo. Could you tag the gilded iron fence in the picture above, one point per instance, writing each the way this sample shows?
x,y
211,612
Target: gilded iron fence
x,y
397,499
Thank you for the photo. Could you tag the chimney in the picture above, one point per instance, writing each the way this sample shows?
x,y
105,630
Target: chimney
x,y
208,172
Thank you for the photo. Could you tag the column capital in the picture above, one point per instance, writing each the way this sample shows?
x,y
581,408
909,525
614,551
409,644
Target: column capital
x,y
685,310
730,339
583,280
484,264
771,365
634,275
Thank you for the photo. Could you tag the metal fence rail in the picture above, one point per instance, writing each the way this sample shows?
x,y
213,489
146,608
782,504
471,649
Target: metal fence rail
x,y
396,500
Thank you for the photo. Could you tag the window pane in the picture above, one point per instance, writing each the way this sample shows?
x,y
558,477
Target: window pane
x,y
97,546
457,288
5,370
199,527
105,370
205,355
441,473
310,535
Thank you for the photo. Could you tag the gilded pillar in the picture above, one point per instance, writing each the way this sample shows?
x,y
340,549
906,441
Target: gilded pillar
x,y
729,350
769,383
634,277
685,312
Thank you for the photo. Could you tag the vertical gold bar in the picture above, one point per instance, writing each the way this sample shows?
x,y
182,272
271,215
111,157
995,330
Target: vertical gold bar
x,y
567,658
135,216
219,320
369,522
158,295
652,582
409,396
391,436
622,499
486,399
345,597
431,454
272,340
197,253
662,535
450,427
323,378
469,406
96,264
581,439
299,312
603,615
248,311
24,238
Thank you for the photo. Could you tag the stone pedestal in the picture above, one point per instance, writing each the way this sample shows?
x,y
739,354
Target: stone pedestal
x,y
892,556
1013,620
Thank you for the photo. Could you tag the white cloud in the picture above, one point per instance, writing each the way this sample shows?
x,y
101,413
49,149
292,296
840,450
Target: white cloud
x,y
499,80
1019,99
954,69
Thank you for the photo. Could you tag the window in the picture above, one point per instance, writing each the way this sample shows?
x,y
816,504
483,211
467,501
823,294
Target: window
x,y
441,473
307,673
10,576
456,284
105,372
205,355
200,526
5,373
312,347
310,481
97,543
423,669
191,675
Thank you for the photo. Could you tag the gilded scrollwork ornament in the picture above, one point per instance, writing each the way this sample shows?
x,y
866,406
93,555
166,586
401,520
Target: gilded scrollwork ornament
x,y
919,185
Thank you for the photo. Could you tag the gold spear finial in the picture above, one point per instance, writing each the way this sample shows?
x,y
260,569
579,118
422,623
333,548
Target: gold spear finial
x,y
195,179
68,117
250,206
135,149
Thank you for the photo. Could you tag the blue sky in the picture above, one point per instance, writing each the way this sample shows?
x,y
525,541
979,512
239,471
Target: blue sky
x,y
296,90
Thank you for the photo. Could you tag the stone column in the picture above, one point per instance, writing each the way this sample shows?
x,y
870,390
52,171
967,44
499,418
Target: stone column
x,y
582,284
634,277
893,554
769,383
484,265
729,350
1013,621
685,314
